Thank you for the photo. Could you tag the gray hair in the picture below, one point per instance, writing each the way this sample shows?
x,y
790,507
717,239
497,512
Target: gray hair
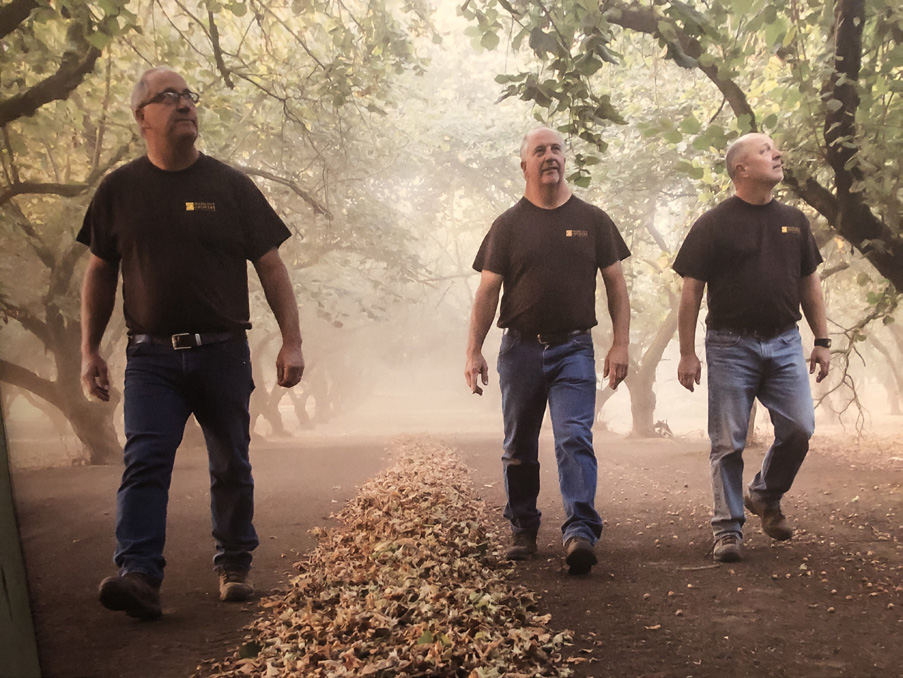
x,y
141,88
525,141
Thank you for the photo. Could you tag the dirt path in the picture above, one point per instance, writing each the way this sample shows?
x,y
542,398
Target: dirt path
x,y
828,603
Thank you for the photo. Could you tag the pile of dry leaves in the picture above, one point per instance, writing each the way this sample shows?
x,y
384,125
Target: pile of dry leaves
x,y
412,585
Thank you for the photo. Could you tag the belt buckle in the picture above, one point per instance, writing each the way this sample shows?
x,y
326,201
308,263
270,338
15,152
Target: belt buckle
x,y
552,339
177,341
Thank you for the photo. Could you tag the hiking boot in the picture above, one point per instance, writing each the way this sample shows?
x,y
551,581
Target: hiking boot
x,y
235,586
727,548
774,522
580,555
134,593
523,546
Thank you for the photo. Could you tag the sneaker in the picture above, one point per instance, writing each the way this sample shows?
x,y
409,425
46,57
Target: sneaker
x,y
580,555
774,522
134,593
727,548
235,586
523,546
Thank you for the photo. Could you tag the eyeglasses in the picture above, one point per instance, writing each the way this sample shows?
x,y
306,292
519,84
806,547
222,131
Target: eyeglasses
x,y
169,97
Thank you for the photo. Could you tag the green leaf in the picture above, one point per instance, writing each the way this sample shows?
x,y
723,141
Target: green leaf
x,y
99,40
426,638
489,41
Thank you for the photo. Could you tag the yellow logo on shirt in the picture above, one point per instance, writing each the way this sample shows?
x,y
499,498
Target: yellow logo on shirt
x,y
790,229
576,234
200,207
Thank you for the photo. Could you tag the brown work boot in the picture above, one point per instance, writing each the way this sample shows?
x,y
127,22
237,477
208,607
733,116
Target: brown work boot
x,y
235,586
727,548
774,522
523,546
580,555
134,593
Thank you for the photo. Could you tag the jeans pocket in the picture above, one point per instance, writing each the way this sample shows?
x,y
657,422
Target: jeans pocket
x,y
237,349
718,339
509,341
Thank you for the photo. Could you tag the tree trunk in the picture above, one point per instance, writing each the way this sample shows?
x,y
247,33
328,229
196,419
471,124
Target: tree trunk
x,y
93,424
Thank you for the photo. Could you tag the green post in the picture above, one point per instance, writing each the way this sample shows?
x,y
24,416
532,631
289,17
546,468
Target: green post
x,y
18,647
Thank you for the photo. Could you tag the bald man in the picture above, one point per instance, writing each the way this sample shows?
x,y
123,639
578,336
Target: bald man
x,y
547,250
759,260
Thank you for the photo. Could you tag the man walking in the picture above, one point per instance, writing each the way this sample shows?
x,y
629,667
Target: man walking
x,y
758,258
546,251
181,226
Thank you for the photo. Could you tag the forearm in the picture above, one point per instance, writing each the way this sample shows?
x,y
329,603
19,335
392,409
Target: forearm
x,y
97,302
813,302
277,287
618,304
619,310
485,304
688,314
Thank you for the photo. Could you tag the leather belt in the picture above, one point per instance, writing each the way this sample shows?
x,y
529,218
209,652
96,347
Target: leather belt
x,y
184,340
547,338
755,333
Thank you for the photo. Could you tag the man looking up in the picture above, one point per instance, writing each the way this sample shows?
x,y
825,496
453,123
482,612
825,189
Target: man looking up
x,y
758,258
181,226
546,251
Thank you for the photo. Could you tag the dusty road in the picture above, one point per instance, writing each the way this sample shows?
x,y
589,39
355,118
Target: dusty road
x,y
828,603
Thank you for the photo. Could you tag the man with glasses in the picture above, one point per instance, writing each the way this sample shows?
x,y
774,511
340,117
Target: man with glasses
x,y
181,226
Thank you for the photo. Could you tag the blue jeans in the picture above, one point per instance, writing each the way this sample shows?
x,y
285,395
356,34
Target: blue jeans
x,y
530,375
740,369
162,388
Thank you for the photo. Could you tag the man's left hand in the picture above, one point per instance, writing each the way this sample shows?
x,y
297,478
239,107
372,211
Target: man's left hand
x,y
820,357
616,363
289,365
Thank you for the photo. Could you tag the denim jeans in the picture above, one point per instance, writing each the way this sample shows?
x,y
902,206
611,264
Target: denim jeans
x,y
162,388
530,375
740,369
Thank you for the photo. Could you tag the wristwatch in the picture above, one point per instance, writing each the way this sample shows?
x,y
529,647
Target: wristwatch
x,y
824,342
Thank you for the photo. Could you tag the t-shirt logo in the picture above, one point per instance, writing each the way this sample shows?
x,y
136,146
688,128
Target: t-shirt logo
x,y
790,229
200,207
573,233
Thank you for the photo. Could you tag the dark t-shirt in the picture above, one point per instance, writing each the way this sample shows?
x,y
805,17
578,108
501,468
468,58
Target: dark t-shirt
x,y
183,239
548,260
752,258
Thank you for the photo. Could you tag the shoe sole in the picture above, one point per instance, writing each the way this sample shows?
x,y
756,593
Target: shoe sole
x,y
114,597
581,561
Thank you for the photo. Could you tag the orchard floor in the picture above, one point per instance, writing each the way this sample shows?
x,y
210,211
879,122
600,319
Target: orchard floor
x,y
827,603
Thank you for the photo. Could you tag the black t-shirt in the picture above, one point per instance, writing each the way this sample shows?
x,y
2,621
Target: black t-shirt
x,y
548,259
183,239
752,258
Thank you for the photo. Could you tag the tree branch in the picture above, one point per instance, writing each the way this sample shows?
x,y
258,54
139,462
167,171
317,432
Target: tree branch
x,y
315,205
12,14
75,63
218,52
24,378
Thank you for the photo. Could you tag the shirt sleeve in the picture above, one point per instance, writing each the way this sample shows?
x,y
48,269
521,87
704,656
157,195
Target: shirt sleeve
x,y
493,254
610,245
810,257
97,227
264,228
695,255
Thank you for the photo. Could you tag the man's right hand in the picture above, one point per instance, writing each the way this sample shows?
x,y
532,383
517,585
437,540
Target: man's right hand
x,y
95,379
689,371
476,370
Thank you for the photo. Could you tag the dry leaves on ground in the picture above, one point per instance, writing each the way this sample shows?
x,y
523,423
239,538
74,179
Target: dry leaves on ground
x,y
412,585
